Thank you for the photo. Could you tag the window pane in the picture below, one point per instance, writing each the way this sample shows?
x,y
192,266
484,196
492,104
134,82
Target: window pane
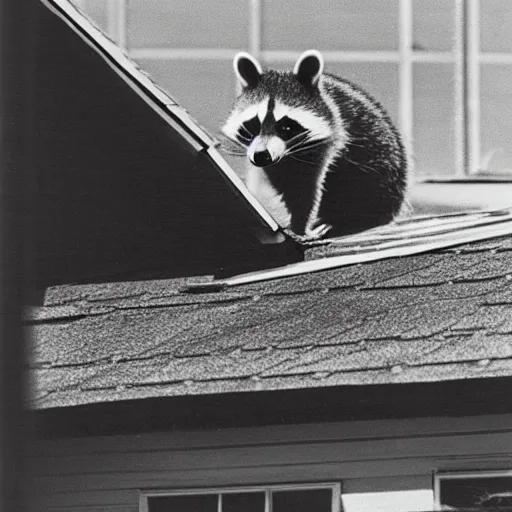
x,y
496,117
243,502
204,503
434,119
330,25
496,25
433,25
206,89
96,10
319,500
488,493
178,24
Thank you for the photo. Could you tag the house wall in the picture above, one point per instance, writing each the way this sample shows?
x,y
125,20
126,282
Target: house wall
x,y
385,462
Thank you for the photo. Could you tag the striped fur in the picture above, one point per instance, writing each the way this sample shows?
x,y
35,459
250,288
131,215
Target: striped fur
x,y
329,151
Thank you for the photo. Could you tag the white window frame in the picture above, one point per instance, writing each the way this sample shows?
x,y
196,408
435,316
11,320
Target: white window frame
x,y
117,21
335,487
462,475
465,56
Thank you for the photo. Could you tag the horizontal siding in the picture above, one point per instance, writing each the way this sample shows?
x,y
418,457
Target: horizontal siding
x,y
109,487
393,455
350,431
300,453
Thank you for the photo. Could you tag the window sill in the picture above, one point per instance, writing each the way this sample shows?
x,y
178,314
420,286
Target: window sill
x,y
444,196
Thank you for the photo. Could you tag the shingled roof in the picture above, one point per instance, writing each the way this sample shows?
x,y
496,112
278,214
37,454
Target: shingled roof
x,y
419,301
438,316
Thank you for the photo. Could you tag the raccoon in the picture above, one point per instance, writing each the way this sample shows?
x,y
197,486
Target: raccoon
x,y
327,149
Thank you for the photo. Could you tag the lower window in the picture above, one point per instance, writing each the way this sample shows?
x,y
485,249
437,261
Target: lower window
x,y
296,498
483,490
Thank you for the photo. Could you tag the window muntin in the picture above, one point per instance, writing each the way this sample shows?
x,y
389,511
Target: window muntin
x,y
465,37
484,490
276,498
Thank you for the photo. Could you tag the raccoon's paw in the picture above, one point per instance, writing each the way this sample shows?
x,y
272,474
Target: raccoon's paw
x,y
312,236
318,231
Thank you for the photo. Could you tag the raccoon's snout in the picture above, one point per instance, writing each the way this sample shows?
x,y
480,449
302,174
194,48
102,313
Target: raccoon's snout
x,y
262,158
265,151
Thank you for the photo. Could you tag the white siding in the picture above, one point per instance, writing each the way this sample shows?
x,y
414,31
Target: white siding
x,y
367,457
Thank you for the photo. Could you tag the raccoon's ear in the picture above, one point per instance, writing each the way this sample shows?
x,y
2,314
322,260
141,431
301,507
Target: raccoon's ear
x,y
247,69
309,67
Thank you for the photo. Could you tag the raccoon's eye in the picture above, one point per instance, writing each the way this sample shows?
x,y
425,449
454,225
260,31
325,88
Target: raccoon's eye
x,y
288,128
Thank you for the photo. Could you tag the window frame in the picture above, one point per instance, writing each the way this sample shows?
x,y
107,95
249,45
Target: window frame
x,y
461,475
335,487
465,55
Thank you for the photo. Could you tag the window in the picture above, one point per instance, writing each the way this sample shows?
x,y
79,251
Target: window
x,y
288,498
441,67
474,491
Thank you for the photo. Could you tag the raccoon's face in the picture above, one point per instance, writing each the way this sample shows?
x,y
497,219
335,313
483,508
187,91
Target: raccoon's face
x,y
279,114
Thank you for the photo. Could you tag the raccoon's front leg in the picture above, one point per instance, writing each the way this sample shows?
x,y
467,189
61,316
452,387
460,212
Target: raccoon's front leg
x,y
260,187
302,192
300,222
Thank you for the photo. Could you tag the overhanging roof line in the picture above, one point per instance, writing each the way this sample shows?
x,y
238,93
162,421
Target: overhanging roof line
x,y
265,227
162,103
501,226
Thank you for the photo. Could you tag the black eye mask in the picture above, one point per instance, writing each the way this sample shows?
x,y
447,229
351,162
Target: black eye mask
x,y
249,130
288,128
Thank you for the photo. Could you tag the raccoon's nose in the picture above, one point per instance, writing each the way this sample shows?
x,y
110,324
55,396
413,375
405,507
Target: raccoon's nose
x,y
261,158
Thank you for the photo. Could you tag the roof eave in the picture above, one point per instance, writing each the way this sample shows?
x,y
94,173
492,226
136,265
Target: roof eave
x,y
468,397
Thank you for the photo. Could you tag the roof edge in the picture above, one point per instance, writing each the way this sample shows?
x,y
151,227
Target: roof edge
x,y
406,237
128,70
164,106
469,397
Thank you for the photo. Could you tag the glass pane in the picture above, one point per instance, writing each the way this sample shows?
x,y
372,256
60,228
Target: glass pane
x,y
433,25
434,119
204,503
243,502
488,493
496,117
319,500
206,89
96,10
330,25
178,24
496,26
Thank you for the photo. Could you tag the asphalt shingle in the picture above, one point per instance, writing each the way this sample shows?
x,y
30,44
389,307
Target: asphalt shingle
x,y
431,317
